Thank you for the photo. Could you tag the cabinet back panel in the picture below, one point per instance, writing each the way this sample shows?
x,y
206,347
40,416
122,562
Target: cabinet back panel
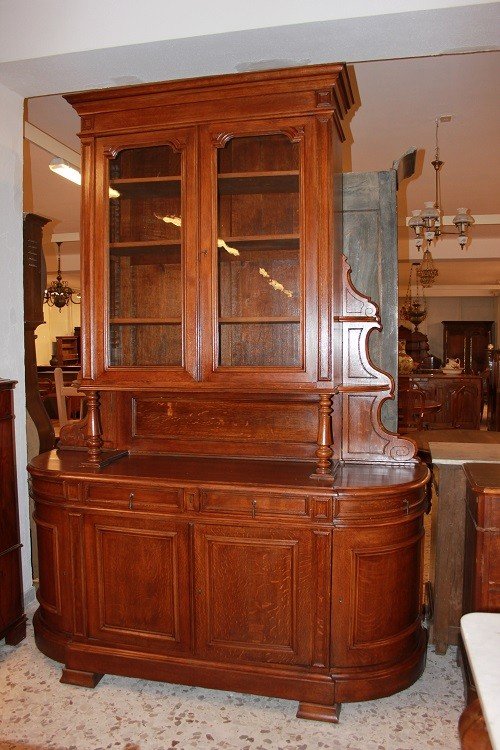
x,y
259,153
224,426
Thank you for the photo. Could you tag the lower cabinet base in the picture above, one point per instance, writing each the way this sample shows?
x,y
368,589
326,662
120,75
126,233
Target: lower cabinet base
x,y
82,679
319,713
319,693
15,633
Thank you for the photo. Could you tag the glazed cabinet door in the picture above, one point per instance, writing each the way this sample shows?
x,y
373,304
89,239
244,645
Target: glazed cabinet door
x,y
260,243
256,598
138,582
143,265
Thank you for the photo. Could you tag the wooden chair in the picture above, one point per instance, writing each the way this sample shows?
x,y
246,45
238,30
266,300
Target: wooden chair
x,y
410,409
62,393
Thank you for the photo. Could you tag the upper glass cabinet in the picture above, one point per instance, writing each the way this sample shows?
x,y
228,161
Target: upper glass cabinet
x,y
146,258
258,252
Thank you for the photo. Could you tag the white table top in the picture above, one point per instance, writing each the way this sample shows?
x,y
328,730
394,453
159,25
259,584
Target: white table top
x,y
459,453
481,636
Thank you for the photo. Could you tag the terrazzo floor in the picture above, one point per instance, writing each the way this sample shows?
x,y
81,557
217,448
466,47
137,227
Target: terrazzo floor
x,y
37,711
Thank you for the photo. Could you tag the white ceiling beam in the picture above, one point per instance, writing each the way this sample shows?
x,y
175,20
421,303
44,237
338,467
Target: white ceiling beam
x,y
66,237
51,145
455,290
486,219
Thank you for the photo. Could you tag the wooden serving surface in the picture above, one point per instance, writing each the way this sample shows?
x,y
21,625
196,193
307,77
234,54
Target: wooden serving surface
x,y
290,475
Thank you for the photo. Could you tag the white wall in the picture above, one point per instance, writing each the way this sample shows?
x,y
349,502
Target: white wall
x,y
11,291
57,323
456,308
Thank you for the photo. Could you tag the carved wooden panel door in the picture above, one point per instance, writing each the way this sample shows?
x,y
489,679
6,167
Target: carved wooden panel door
x,y
151,613
254,593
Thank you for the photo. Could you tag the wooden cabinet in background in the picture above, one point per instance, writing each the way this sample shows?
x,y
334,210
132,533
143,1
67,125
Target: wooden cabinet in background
x,y
34,282
238,519
460,396
468,340
66,351
12,617
482,539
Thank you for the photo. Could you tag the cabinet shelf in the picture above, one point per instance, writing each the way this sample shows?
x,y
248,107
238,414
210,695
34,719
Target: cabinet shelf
x,y
157,251
147,187
144,244
265,242
259,319
234,183
145,321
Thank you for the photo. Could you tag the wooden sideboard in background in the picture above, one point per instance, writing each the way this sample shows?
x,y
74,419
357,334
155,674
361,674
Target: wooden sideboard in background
x,y
460,396
468,341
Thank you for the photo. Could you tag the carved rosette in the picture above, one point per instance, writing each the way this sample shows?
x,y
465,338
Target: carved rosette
x,y
364,388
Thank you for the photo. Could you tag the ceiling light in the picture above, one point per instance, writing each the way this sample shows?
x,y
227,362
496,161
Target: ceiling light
x,y
62,168
427,223
69,172
58,293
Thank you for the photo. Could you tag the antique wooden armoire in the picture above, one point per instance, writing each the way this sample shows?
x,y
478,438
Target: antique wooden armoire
x,y
232,513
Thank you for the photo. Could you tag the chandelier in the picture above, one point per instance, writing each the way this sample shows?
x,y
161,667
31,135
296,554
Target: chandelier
x,y
414,309
58,293
428,223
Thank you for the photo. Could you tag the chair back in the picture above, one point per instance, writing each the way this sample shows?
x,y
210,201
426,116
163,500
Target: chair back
x,y
410,409
62,393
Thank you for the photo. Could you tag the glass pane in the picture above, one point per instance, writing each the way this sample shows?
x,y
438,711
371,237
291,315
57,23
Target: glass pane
x,y
145,258
259,275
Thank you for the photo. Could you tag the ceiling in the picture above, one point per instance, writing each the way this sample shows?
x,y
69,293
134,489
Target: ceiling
x,y
398,101
412,61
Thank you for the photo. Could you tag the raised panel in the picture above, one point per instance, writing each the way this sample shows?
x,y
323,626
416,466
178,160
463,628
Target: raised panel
x,y
140,589
49,590
378,619
254,594
376,610
11,595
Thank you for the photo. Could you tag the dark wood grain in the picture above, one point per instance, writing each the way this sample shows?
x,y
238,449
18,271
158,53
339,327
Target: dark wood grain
x,y
482,539
12,617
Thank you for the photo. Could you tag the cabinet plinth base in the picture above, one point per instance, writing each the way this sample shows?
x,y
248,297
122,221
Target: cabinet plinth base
x,y
82,679
16,633
317,712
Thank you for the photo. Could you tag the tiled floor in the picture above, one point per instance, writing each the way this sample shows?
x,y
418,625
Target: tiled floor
x,y
36,711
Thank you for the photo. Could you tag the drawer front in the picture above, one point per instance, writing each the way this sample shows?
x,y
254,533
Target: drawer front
x,y
134,497
46,489
366,510
255,504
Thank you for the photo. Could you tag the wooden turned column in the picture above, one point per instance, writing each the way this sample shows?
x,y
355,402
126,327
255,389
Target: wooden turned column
x,y
324,451
94,439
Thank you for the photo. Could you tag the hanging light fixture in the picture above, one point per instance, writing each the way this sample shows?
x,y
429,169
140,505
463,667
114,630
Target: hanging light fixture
x,y
58,293
414,309
428,224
